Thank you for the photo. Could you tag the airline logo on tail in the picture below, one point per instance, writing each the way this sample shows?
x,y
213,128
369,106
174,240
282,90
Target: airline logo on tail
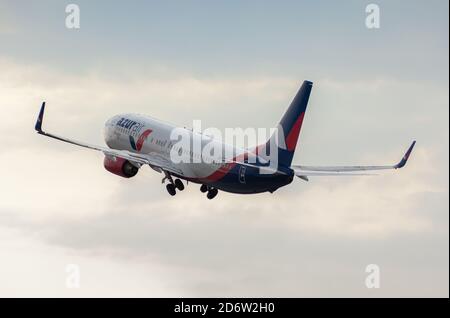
x,y
140,142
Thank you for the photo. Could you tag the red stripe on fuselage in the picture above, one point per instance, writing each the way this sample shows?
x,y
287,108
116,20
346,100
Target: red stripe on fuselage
x,y
142,139
224,170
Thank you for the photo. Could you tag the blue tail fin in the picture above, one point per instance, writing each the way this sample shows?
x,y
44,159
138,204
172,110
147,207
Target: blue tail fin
x,y
290,126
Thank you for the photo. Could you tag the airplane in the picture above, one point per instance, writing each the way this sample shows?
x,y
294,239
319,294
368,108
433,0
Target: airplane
x,y
134,141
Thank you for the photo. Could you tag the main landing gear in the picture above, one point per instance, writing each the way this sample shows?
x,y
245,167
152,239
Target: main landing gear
x,y
177,184
171,189
212,192
173,185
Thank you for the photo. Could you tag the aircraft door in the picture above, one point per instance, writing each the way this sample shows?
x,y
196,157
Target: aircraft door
x,y
242,174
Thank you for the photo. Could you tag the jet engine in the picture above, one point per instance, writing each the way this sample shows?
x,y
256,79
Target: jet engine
x,y
120,167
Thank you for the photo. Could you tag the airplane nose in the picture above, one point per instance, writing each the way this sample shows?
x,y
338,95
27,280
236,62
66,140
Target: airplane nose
x,y
107,131
109,122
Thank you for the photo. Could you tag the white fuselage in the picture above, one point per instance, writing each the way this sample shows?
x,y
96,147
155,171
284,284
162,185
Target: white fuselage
x,y
145,135
142,134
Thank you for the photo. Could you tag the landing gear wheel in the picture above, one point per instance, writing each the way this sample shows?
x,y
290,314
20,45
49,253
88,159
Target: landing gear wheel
x,y
212,194
179,184
171,189
204,188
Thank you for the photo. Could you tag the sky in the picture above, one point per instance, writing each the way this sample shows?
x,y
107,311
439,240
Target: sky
x,y
230,64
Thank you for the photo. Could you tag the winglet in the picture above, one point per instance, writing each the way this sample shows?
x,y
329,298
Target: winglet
x,y
402,163
38,126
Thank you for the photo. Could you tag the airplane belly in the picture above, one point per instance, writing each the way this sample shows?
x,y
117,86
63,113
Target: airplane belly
x,y
247,180
195,172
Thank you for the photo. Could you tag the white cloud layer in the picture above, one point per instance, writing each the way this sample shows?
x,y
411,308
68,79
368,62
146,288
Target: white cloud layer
x,y
130,238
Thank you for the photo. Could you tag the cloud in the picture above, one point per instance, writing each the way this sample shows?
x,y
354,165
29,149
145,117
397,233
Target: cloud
x,y
272,246
308,239
374,92
7,26
33,268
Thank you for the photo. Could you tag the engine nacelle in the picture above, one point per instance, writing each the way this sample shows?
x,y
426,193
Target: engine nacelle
x,y
120,167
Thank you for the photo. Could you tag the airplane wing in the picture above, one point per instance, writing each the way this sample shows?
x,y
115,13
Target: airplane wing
x,y
304,171
135,158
